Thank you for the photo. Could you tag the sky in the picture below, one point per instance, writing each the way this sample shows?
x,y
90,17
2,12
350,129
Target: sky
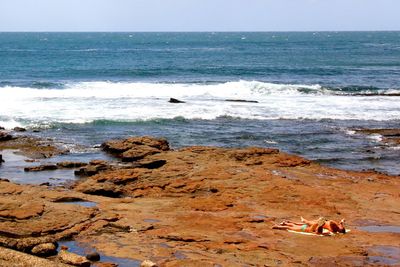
x,y
199,15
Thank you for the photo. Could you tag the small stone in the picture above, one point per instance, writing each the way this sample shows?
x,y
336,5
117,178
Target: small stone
x,y
93,256
148,263
46,249
73,259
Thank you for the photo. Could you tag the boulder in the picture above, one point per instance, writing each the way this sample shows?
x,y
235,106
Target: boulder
x,y
19,129
45,167
73,259
70,164
46,249
175,101
135,148
1,159
94,167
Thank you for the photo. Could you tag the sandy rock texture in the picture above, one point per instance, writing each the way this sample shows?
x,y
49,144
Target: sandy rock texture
x,y
207,206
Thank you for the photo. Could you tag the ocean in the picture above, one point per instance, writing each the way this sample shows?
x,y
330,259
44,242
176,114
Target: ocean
x,y
306,92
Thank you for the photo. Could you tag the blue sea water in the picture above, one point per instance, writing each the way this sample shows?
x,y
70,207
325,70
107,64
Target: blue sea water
x,y
312,90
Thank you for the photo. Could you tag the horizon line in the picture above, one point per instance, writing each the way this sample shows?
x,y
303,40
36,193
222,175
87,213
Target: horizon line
x,y
206,31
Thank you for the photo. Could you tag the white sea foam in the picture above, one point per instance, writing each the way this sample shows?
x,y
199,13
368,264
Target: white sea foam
x,y
88,101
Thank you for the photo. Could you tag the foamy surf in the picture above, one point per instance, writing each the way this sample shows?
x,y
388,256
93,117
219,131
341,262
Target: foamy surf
x,y
86,102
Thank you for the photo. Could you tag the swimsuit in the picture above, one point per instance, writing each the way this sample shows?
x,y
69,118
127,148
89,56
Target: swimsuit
x,y
303,227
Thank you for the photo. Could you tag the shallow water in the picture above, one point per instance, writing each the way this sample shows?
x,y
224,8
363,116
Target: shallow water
x,y
380,229
84,249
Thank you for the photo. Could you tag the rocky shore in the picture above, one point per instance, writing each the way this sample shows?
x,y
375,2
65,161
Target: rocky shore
x,y
195,206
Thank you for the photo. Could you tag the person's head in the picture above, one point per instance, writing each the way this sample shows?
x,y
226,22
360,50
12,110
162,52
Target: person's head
x,y
341,227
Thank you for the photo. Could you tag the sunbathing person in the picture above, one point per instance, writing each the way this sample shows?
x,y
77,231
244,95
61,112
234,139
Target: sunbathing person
x,y
331,226
316,228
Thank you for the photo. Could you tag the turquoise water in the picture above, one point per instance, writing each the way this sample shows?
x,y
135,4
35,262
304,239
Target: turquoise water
x,y
312,90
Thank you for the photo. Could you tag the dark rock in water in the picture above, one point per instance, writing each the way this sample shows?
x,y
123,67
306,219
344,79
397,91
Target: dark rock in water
x,y
5,136
45,184
94,256
70,164
2,128
47,167
241,100
94,167
4,180
1,159
46,249
19,129
175,101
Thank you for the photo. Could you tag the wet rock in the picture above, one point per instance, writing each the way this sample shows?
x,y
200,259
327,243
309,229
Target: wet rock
x,y
241,101
70,164
175,101
1,159
19,129
94,167
2,128
93,256
73,259
46,249
46,167
4,136
148,263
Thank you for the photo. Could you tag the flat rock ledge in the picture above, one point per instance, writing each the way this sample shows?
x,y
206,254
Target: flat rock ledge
x,y
206,206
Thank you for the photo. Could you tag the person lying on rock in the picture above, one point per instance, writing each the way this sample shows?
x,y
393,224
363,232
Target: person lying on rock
x,y
316,228
331,226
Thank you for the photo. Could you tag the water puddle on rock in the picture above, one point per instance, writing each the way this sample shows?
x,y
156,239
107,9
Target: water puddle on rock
x,y
87,204
13,169
84,249
386,255
380,229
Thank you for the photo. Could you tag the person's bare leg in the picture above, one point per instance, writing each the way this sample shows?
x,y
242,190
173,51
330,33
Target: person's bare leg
x,y
286,227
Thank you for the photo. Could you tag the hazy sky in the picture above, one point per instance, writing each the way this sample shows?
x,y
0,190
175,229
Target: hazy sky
x,y
198,15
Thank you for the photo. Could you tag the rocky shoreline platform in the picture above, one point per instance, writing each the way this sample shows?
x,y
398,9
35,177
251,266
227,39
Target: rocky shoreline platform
x,y
194,206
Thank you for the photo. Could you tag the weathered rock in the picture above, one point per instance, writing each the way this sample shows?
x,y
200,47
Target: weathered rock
x,y
73,259
94,167
46,249
4,136
148,263
175,101
29,146
93,256
12,258
19,129
45,167
70,164
118,147
138,152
